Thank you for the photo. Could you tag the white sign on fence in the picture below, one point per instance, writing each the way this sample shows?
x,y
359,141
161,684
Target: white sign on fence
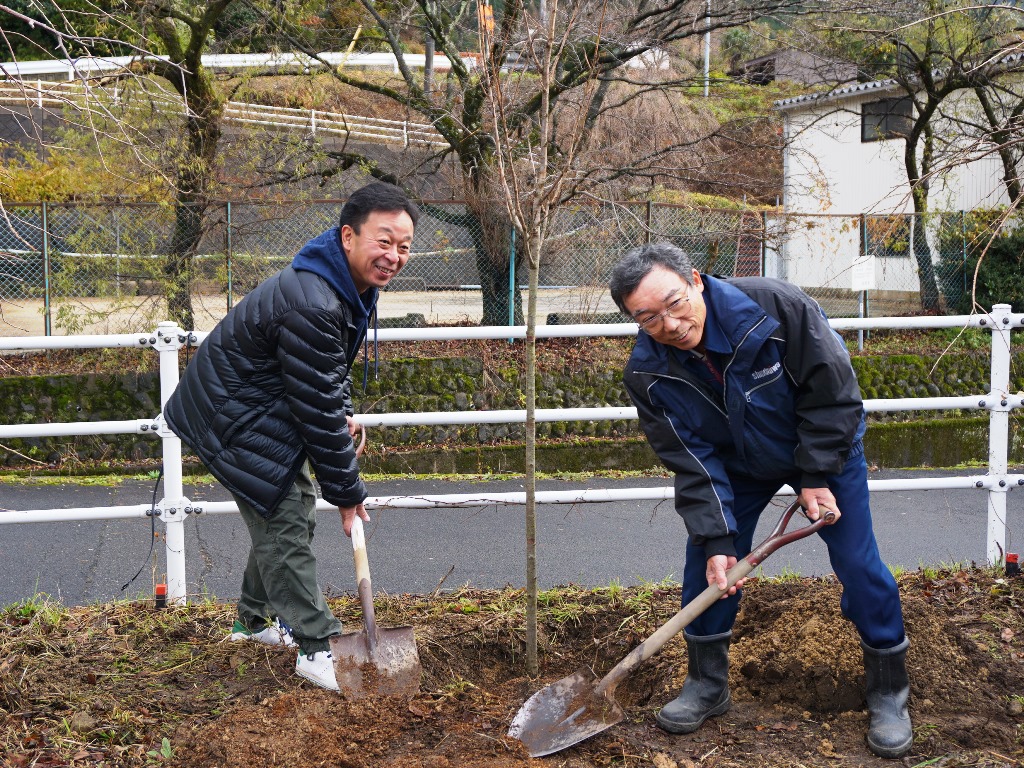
x,y
862,274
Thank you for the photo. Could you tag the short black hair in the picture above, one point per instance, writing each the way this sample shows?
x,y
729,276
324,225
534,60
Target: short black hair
x,y
638,262
378,196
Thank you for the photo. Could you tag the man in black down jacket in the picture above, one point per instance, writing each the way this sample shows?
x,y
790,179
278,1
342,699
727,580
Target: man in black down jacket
x,y
742,387
267,395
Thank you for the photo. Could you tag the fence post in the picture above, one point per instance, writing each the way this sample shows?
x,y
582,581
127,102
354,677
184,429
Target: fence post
x,y
862,300
44,221
117,253
764,243
512,277
998,430
169,339
963,245
227,249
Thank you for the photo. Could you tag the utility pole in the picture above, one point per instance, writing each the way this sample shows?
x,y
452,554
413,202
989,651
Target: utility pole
x,y
707,47
428,67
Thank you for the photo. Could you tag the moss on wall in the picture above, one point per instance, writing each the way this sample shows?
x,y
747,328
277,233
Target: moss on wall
x,y
96,397
915,376
460,384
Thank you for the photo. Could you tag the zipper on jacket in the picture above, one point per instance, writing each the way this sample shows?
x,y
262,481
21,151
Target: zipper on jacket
x,y
725,371
750,392
690,384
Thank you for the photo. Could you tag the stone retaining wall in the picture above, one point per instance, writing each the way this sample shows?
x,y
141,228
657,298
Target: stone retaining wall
x,y
459,384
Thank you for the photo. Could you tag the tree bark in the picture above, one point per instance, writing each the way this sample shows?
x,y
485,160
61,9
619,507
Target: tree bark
x,y
1004,140
185,39
917,175
495,250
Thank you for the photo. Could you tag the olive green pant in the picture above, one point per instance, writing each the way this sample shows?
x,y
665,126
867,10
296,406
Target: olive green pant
x,y
280,578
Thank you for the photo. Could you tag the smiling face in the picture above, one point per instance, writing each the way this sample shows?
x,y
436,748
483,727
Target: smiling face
x,y
379,249
660,290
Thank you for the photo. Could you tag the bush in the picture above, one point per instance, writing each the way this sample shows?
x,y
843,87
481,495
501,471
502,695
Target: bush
x,y
1000,278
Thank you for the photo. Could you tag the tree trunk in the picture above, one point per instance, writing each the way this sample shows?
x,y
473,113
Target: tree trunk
x,y
532,663
917,175
925,267
1004,141
203,131
494,246
180,266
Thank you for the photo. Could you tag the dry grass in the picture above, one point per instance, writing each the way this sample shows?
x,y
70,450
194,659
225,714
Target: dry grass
x,y
124,684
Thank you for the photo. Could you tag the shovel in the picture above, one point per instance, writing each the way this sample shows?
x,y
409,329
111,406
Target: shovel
x,y
382,662
580,706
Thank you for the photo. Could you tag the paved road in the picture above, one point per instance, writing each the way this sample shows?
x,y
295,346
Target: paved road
x,y
416,550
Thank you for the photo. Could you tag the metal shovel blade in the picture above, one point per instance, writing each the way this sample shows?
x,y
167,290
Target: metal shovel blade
x,y
382,662
580,706
564,713
388,667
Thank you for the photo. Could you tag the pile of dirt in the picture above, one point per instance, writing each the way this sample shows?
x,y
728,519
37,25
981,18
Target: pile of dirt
x,y
128,685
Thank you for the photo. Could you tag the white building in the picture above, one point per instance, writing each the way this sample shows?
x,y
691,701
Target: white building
x,y
846,179
844,153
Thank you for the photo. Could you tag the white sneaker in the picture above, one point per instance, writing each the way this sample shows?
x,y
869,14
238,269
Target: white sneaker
x,y
275,633
318,668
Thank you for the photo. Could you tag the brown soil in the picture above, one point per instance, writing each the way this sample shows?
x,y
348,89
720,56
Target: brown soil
x,y
104,685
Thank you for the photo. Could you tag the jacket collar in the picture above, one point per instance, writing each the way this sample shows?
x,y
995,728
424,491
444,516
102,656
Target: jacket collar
x,y
723,300
324,256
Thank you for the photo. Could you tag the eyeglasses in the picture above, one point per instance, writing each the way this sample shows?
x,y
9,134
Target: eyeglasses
x,y
676,309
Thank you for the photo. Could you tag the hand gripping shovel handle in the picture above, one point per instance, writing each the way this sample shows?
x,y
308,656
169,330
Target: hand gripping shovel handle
x,y
776,539
361,446
363,586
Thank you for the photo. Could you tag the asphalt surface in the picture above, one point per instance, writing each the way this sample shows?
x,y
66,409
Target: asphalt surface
x,y
418,551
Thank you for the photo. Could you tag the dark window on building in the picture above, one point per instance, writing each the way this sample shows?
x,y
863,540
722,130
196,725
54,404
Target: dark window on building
x,y
761,73
886,119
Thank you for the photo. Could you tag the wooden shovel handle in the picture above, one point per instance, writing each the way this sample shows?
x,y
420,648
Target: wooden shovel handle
x,y
363,584
708,597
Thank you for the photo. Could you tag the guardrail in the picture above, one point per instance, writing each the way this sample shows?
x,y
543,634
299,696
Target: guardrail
x,y
174,508
39,94
315,122
92,66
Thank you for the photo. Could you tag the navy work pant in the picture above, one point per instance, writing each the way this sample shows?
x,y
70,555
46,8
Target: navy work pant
x,y
870,598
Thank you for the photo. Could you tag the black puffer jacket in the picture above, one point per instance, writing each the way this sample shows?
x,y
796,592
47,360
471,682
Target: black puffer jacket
x,y
269,387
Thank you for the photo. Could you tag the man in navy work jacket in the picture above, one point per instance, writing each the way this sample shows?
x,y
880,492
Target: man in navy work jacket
x,y
742,387
267,395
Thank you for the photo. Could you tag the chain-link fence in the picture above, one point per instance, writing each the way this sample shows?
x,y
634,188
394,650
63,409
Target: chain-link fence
x,y
67,268
877,265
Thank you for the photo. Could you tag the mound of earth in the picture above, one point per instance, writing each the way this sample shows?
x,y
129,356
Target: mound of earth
x,y
128,685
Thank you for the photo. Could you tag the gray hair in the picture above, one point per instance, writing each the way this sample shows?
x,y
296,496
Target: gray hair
x,y
638,262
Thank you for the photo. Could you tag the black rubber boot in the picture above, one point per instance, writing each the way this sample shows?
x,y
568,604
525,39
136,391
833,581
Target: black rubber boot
x,y
706,688
888,688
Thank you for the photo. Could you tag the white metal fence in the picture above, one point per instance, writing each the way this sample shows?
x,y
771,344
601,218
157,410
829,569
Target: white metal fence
x,y
284,62
174,508
42,95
